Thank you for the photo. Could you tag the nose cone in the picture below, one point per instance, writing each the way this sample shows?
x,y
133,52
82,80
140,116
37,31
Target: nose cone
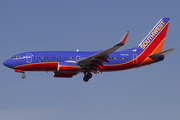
x,y
7,63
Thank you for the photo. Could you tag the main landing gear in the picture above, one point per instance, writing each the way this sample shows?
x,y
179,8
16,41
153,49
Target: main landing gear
x,y
87,76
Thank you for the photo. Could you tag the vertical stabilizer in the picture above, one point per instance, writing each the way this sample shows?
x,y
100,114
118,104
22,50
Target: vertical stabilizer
x,y
154,41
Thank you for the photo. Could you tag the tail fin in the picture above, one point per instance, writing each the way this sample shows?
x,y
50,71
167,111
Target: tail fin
x,y
154,41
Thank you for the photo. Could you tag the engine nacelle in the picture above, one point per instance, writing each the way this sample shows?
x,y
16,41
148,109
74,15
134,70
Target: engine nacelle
x,y
68,67
66,70
64,75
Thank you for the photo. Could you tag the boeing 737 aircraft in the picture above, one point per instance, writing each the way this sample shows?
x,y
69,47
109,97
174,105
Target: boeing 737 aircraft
x,y
67,64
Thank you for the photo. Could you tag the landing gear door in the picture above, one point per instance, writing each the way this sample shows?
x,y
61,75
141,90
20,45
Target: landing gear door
x,y
29,57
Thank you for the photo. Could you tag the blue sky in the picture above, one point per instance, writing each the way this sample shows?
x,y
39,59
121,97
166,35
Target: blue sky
x,y
146,93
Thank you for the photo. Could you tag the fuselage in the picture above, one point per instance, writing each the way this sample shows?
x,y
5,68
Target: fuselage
x,y
50,60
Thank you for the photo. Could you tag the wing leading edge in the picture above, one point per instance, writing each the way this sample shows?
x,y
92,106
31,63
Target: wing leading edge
x,y
96,60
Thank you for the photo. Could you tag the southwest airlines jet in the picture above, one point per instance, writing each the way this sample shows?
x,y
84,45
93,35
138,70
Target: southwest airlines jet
x,y
67,64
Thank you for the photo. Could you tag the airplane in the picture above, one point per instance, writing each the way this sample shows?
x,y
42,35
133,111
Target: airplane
x,y
66,64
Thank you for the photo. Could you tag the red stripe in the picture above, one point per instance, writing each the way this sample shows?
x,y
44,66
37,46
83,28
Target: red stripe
x,y
48,66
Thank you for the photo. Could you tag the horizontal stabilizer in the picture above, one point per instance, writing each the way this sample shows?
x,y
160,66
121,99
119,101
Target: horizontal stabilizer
x,y
161,53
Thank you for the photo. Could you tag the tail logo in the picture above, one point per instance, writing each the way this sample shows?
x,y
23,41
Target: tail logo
x,y
152,34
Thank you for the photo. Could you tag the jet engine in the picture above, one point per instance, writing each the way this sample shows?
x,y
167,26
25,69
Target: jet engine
x,y
66,70
68,67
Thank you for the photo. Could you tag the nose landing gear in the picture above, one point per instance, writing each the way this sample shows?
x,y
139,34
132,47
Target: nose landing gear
x,y
23,76
21,71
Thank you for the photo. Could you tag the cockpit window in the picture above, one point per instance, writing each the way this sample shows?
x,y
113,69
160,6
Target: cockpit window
x,y
15,57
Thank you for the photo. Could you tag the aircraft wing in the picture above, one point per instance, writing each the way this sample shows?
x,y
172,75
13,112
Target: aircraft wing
x,y
96,60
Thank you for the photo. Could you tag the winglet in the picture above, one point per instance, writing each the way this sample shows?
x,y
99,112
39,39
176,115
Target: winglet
x,y
123,39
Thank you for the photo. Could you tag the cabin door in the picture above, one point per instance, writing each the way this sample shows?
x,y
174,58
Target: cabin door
x,y
29,57
135,60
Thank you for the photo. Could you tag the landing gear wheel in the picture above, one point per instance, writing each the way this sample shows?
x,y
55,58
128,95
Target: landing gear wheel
x,y
23,76
89,75
86,78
